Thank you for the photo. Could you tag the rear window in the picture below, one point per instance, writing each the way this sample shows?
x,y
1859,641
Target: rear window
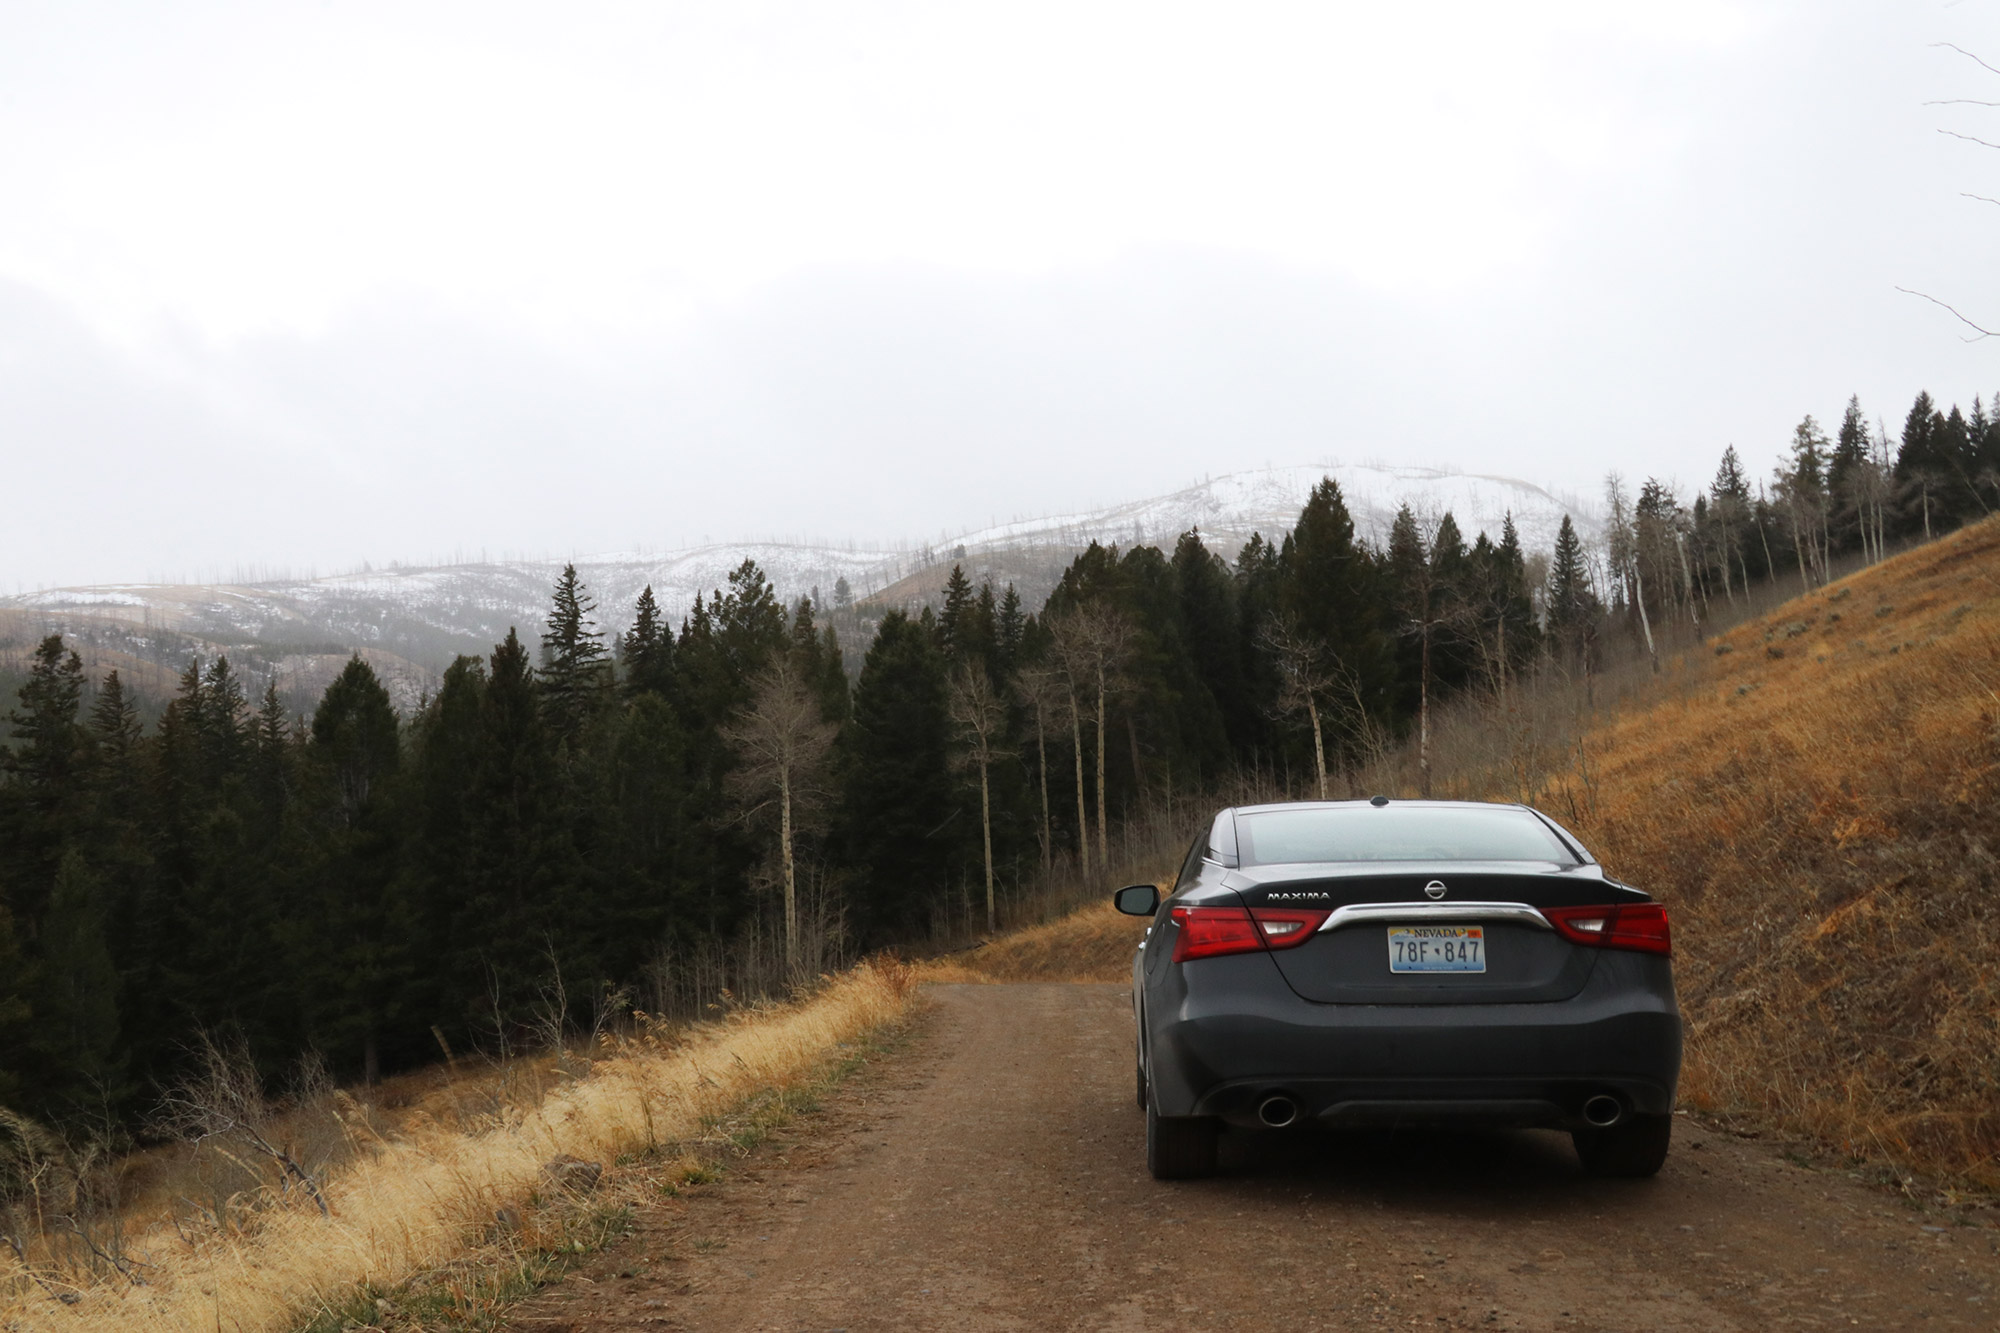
x,y
1396,833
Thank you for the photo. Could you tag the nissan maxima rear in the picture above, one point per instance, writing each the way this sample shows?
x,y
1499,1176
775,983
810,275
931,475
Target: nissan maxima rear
x,y
1401,963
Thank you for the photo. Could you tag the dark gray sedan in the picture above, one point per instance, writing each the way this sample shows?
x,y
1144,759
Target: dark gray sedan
x,y
1402,962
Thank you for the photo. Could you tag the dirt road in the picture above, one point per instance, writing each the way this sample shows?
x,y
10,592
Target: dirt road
x,y
990,1176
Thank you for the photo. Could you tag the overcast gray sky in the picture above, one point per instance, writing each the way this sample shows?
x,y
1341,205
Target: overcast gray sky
x,y
298,286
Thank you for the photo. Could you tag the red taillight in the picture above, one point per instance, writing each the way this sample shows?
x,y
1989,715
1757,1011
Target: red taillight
x,y
1640,926
1209,932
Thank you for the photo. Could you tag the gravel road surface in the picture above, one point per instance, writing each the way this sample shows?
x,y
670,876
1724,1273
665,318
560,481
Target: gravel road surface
x,y
989,1174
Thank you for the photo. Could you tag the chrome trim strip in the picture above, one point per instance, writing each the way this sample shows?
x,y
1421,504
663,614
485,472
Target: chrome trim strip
x,y
1363,914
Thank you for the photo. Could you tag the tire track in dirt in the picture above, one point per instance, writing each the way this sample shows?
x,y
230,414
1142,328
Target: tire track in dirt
x,y
990,1176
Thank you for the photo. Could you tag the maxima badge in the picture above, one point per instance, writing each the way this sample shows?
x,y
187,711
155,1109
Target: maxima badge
x,y
1434,889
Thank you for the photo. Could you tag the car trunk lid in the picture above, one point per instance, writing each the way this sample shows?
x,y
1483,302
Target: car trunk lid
x,y
1476,930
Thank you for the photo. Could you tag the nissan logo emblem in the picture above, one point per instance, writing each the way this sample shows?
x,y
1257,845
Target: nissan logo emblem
x,y
1434,889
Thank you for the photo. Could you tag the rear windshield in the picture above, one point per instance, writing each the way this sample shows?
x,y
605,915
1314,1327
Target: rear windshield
x,y
1396,833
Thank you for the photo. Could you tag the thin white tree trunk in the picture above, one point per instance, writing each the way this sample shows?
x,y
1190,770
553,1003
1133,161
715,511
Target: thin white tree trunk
x,y
986,830
1424,720
1042,764
785,858
1645,621
1103,827
1319,746
1687,580
1082,817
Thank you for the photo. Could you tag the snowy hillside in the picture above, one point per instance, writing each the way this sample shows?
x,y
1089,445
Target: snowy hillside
x,y
423,616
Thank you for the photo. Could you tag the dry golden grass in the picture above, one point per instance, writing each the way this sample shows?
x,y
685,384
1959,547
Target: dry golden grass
x,y
1093,943
420,1199
1817,803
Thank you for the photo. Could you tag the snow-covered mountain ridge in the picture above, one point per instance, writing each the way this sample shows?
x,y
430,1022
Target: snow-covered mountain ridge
x,y
426,615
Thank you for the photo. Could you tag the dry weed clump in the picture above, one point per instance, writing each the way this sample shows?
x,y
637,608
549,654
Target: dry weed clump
x,y
413,1202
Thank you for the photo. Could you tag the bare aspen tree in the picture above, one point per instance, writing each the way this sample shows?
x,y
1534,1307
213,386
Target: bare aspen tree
x,y
1072,696
1041,690
1622,550
1304,678
783,743
1094,644
1073,666
980,717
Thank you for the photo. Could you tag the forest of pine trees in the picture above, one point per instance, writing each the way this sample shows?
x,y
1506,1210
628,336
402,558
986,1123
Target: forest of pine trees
x,y
580,821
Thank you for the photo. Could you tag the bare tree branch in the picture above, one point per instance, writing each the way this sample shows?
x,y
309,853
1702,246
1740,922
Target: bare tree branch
x,y
1950,46
1981,331
1970,138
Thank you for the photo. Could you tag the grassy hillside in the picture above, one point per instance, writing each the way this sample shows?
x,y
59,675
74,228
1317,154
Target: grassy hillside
x,y
1814,795
1817,801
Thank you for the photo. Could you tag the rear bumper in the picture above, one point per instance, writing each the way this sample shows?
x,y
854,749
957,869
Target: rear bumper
x,y
1222,1049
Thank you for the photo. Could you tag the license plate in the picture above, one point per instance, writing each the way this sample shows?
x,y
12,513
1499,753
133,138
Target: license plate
x,y
1437,949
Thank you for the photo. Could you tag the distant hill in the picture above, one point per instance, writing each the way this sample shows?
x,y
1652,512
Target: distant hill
x,y
411,621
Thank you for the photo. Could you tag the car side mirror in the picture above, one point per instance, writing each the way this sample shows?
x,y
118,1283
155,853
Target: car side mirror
x,y
1137,900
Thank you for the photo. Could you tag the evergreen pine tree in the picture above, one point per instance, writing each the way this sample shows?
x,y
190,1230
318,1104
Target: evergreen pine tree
x,y
576,670
954,629
983,631
1009,622
1330,592
1729,504
1517,604
16,1027
271,742
1846,469
749,625
1571,608
1920,474
516,905
220,722
356,957
901,826
1210,629
114,720
76,1031
647,650
41,805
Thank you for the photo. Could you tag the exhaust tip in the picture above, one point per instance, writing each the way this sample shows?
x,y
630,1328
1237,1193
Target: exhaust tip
x,y
1603,1111
1277,1111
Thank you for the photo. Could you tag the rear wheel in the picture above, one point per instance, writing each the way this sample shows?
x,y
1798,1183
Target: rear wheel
x,y
1635,1146
1179,1147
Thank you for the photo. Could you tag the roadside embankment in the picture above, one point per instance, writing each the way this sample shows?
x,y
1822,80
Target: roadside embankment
x,y
422,1198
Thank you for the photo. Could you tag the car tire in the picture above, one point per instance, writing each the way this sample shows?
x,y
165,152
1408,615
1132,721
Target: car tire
x,y
1179,1147
1635,1147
